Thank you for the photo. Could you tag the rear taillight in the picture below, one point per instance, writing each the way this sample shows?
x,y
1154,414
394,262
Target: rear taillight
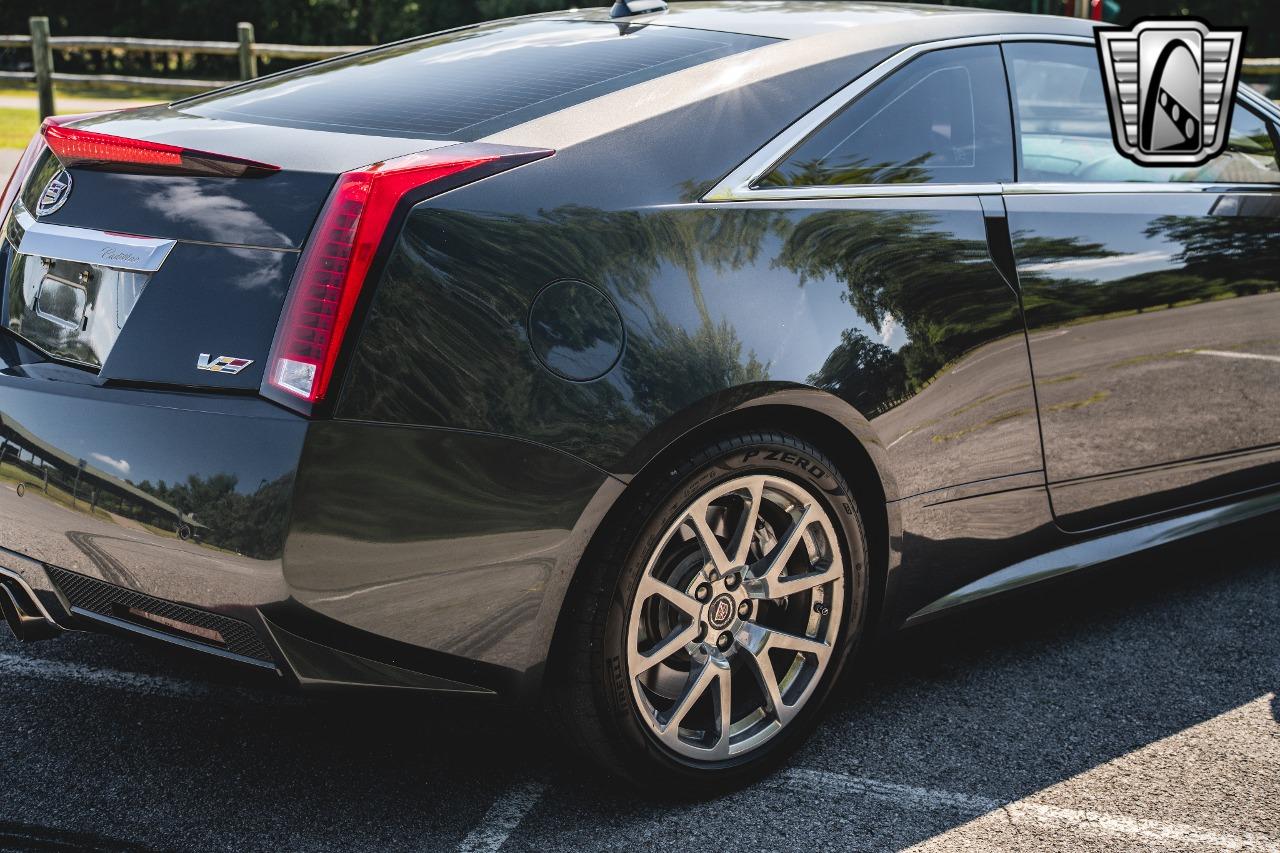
x,y
75,146
26,163
341,249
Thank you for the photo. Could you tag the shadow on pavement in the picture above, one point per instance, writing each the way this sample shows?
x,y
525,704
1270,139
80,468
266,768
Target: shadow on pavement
x,y
1000,702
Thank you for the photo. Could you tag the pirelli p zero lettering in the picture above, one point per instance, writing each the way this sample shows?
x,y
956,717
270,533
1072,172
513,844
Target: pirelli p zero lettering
x,y
785,458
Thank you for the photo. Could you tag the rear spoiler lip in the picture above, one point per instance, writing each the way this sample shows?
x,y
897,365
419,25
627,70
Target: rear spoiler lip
x,y
92,149
293,149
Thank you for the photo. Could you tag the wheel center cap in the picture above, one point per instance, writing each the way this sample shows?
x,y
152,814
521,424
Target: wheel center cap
x,y
720,611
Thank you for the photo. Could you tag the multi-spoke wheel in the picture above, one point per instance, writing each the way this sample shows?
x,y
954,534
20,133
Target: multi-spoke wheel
x,y
735,616
729,601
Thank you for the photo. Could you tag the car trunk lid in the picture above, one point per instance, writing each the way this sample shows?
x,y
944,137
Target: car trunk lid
x,y
198,264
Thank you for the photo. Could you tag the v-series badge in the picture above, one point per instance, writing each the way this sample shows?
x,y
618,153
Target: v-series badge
x,y
222,364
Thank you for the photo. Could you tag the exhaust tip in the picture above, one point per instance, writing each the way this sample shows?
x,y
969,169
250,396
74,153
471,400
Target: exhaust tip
x,y
23,616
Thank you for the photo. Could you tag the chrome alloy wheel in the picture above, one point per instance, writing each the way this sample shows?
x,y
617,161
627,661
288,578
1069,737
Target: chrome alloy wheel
x,y
735,617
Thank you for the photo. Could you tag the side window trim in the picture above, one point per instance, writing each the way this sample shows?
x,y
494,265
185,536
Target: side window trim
x,y
1013,116
739,184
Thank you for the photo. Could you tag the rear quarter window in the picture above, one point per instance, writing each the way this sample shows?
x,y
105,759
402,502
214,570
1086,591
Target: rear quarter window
x,y
941,118
467,84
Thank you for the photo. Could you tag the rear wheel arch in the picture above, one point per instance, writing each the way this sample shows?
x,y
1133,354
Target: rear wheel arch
x,y
815,417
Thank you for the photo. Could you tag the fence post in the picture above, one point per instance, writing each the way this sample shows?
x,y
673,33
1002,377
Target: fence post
x,y
248,61
42,62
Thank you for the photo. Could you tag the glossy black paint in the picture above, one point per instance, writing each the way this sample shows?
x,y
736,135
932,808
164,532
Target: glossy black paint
x,y
483,79
842,296
274,212
960,534
207,299
575,331
180,496
215,299
1144,310
454,541
542,340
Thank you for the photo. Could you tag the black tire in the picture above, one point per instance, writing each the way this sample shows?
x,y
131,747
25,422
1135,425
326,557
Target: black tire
x,y
589,696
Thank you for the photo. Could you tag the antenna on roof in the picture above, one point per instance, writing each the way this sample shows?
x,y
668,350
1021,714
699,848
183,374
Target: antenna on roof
x,y
627,8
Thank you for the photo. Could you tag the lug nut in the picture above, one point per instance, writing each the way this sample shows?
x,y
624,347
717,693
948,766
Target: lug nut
x,y
702,632
732,581
821,609
744,609
725,641
703,592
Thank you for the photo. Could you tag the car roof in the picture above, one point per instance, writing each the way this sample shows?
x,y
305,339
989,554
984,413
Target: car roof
x,y
846,39
798,19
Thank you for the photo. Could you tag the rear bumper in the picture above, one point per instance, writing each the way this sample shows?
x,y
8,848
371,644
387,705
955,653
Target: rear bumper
x,y
41,602
150,512
336,554
181,496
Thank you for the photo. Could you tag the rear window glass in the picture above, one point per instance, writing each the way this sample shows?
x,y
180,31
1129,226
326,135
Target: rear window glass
x,y
470,83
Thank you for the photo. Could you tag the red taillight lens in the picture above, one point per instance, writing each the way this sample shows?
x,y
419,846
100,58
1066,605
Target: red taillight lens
x,y
26,163
79,147
342,246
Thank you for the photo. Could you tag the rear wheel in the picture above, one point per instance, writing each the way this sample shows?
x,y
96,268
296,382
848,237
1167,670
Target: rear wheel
x,y
718,619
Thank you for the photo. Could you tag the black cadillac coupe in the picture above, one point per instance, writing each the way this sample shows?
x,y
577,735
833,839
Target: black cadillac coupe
x,y
646,363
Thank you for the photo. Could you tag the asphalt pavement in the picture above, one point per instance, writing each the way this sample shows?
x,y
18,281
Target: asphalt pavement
x,y
1132,709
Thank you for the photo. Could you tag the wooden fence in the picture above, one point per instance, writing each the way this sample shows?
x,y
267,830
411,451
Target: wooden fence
x,y
42,45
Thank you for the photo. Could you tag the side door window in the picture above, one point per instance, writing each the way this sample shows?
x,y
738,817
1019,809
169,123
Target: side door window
x,y
1250,156
942,118
1151,313
1064,132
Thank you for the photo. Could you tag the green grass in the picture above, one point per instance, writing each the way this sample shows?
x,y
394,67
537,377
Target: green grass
x,y
17,127
989,422
18,124
1097,397
11,473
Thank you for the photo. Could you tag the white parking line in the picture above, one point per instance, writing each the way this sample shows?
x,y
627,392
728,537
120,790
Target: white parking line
x,y
1224,354
899,438
967,364
843,785
509,808
513,804
1023,812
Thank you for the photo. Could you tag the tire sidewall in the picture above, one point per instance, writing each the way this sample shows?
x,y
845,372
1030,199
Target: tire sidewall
x,y
780,456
